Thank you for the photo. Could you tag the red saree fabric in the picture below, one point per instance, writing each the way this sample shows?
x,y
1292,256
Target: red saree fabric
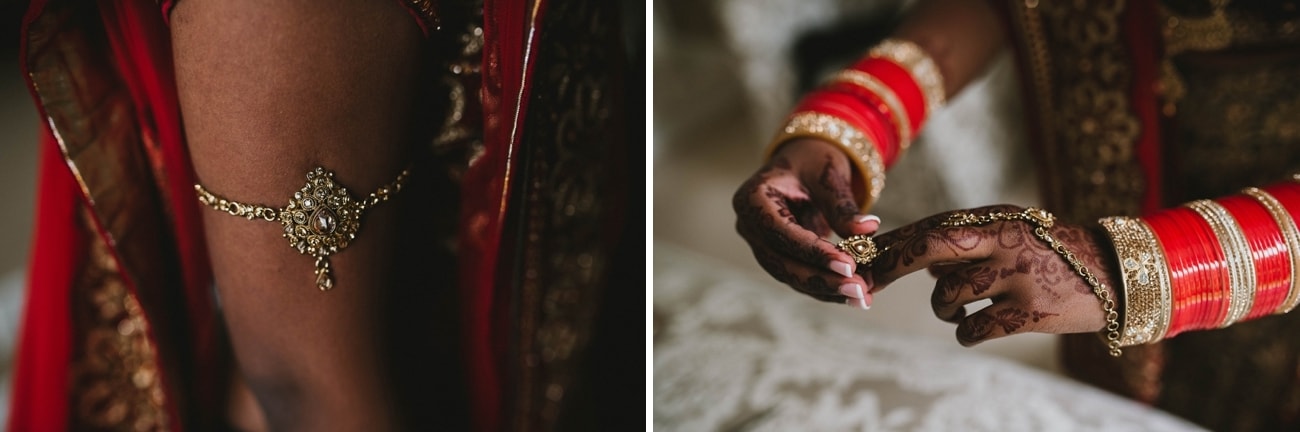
x,y
138,44
509,28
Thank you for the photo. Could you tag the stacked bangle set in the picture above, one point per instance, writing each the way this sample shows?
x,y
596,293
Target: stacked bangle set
x,y
1208,264
872,110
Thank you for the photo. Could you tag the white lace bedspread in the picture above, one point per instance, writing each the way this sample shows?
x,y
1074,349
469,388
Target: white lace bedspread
x,y
741,352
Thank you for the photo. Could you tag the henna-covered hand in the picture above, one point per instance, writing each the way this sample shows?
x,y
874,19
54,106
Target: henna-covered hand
x,y
1033,288
788,209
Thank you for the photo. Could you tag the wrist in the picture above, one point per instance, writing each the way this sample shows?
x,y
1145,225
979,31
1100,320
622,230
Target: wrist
x,y
1107,266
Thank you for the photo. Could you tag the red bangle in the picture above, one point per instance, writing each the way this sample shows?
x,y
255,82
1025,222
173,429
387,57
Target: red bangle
x,y
854,111
903,84
1268,252
879,117
1198,276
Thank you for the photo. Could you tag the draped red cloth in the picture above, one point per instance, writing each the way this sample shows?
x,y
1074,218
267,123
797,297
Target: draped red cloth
x,y
509,28
138,42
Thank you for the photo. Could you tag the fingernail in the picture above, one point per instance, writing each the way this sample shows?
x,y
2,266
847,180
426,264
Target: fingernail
x,y
843,268
866,218
864,302
851,290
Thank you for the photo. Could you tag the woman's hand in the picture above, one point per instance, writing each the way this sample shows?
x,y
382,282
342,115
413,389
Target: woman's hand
x,y
1032,287
788,209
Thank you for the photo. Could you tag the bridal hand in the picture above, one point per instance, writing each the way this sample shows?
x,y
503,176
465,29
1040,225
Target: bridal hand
x,y
1032,288
788,209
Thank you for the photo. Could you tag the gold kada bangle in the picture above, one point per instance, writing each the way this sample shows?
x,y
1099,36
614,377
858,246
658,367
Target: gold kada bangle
x,y
321,219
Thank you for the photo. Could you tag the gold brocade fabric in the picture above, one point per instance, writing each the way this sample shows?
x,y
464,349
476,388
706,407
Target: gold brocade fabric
x,y
1230,105
114,370
571,193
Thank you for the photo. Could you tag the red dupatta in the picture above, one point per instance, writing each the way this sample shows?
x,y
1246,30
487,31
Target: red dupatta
x,y
113,147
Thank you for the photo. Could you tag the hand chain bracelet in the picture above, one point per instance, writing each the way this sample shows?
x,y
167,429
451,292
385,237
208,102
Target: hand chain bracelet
x,y
1042,221
321,219
863,250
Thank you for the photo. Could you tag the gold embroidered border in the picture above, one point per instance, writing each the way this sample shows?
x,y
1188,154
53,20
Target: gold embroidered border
x,y
919,64
1145,277
1241,266
862,152
1086,128
116,382
1292,236
901,122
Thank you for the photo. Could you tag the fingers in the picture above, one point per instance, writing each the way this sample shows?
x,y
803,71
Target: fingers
x,y
764,217
833,193
929,242
998,320
816,282
969,284
929,248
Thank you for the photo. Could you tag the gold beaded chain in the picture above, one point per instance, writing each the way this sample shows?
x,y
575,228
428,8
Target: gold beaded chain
x,y
321,219
1042,221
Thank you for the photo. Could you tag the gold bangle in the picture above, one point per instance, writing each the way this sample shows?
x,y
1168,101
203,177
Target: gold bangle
x,y
321,219
1145,280
923,69
861,151
1236,251
1043,221
864,80
1292,236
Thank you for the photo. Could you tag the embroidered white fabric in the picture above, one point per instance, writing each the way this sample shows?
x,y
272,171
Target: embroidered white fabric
x,y
742,352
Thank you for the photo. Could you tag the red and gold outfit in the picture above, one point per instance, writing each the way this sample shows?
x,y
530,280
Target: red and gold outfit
x,y
121,330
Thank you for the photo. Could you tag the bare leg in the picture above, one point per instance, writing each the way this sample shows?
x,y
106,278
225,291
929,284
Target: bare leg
x,y
267,91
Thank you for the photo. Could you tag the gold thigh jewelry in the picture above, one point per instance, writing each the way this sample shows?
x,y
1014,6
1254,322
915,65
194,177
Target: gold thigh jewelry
x,y
321,219
1043,221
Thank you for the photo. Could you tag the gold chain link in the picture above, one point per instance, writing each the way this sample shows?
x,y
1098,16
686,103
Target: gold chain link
x,y
386,191
1042,221
247,211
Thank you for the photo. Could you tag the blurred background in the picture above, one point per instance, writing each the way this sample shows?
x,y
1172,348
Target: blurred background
x,y
19,127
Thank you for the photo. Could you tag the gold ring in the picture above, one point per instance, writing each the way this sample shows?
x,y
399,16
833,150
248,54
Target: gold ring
x,y
862,248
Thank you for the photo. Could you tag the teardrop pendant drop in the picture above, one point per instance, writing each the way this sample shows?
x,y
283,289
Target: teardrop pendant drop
x,y
324,280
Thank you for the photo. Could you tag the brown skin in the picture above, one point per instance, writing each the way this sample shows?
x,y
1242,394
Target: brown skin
x,y
1032,287
269,90
789,207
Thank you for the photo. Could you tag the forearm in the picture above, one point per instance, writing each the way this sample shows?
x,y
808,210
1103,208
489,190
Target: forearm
x,y
269,90
962,36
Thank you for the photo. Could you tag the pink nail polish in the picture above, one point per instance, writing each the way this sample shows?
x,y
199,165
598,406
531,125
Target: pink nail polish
x,y
851,290
842,268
